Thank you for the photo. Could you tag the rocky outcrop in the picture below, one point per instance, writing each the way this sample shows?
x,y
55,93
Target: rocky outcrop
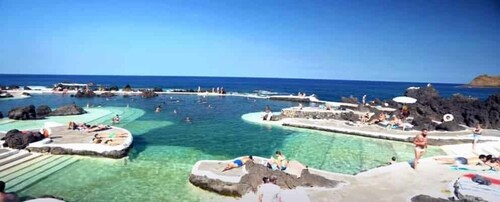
x,y
85,94
157,89
116,154
43,111
114,88
353,100
16,139
148,94
5,95
485,81
26,88
107,94
251,181
449,126
127,88
1,115
23,113
465,110
68,110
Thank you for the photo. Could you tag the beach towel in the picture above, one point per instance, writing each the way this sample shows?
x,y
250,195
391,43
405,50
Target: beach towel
x,y
467,187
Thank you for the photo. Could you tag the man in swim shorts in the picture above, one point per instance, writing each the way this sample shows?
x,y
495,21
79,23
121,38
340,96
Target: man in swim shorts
x,y
420,142
238,163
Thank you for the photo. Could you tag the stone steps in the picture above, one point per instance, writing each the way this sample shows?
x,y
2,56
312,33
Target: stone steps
x,y
26,170
8,153
35,172
18,167
33,158
23,184
15,157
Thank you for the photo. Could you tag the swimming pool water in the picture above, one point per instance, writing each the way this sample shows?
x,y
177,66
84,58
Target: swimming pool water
x,y
166,146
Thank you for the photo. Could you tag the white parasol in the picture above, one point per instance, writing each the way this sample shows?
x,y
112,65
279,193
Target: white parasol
x,y
404,99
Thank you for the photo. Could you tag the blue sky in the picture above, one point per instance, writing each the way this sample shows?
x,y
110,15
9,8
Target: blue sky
x,y
427,41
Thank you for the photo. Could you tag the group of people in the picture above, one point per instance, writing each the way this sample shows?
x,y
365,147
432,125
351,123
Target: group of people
x,y
481,163
218,90
268,114
86,127
276,162
268,190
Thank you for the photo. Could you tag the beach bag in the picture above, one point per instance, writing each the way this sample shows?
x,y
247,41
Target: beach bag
x,y
481,180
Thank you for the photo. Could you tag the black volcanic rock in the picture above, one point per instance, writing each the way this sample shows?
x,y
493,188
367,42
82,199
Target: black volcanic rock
x,y
465,110
449,126
422,122
43,110
26,88
349,116
16,139
351,99
127,88
5,95
85,94
148,94
1,115
113,88
23,113
68,110
157,89
107,94
251,181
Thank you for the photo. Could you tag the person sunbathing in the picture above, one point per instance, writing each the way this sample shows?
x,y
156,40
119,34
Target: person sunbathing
x,y
99,127
238,163
490,161
364,119
395,122
381,117
96,140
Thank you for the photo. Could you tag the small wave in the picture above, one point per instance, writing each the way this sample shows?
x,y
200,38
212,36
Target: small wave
x,y
250,95
265,92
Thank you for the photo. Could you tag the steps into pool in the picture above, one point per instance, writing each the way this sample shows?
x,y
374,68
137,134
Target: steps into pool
x,y
20,169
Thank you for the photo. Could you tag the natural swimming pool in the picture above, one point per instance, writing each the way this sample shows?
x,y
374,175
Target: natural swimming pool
x,y
165,146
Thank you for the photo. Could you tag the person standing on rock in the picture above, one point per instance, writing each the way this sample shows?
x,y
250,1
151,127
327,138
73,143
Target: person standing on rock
x,y
420,142
269,192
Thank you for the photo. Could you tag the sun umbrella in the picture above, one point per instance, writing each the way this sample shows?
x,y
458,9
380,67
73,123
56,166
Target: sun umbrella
x,y
404,99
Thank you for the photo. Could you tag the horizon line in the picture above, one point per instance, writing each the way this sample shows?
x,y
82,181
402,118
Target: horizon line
x,y
393,81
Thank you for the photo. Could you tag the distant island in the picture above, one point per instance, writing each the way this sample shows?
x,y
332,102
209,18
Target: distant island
x,y
485,81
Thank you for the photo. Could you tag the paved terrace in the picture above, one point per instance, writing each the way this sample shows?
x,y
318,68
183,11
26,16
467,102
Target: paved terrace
x,y
65,141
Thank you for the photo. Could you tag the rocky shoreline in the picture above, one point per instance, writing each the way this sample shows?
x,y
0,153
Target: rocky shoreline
x,y
253,178
115,154
31,112
428,112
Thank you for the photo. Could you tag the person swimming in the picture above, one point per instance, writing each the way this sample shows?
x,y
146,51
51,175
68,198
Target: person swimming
x,y
238,163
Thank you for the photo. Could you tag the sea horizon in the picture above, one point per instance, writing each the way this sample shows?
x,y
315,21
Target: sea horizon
x,y
239,77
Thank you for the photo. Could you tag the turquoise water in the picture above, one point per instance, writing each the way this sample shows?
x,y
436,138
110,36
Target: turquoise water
x,y
165,146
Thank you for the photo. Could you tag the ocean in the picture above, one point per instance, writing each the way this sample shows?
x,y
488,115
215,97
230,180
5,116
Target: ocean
x,y
165,146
